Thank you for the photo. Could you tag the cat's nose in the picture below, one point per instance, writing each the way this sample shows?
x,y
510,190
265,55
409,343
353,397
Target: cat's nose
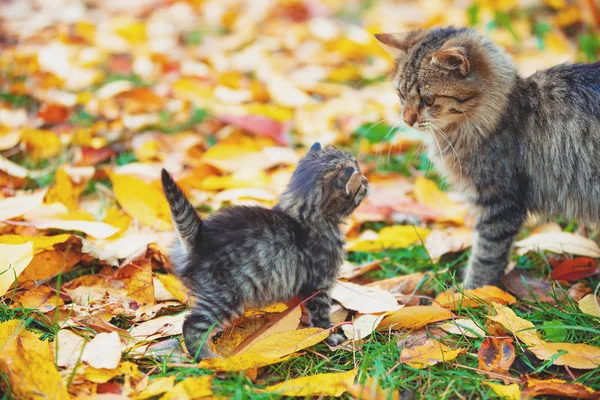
x,y
410,117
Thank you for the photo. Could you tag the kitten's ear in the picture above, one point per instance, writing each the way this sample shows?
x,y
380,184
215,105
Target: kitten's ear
x,y
315,147
398,44
452,58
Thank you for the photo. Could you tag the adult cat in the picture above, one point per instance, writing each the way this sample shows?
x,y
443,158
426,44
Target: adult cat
x,y
514,145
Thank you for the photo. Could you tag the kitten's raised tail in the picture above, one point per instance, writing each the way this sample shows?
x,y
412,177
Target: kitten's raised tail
x,y
187,222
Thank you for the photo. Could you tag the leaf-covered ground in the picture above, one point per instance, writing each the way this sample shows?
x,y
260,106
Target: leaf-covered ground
x,y
97,96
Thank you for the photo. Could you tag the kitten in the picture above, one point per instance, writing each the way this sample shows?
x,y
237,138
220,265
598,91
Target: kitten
x,y
515,145
252,256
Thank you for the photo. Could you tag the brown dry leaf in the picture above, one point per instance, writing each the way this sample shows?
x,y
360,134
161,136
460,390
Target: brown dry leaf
x,y
473,297
463,326
415,317
440,242
590,304
557,387
137,277
13,261
559,242
362,326
371,390
578,355
190,388
28,364
168,325
48,264
427,192
142,201
525,285
428,354
364,299
329,384
521,328
230,339
496,355
103,351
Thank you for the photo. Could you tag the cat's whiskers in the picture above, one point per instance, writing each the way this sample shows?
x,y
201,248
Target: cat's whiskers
x,y
429,125
447,139
378,154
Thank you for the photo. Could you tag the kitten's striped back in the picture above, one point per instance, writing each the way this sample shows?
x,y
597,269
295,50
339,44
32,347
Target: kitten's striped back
x,y
185,219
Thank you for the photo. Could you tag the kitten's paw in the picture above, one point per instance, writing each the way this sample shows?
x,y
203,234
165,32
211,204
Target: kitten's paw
x,y
335,339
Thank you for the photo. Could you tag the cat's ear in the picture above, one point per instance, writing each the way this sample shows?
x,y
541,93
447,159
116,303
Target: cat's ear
x,y
315,147
452,58
398,44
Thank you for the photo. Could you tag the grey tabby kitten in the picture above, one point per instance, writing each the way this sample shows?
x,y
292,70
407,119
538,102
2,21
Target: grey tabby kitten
x,y
252,256
514,145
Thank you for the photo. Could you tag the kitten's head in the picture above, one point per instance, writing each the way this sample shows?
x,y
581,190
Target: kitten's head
x,y
327,182
448,77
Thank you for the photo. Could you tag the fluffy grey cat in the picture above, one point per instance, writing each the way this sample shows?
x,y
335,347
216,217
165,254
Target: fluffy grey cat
x,y
514,145
252,256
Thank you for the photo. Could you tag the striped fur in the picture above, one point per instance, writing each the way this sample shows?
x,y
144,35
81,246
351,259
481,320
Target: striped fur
x,y
515,145
252,256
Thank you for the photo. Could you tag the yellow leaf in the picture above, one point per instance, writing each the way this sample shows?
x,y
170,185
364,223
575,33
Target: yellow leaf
x,y
371,390
240,362
345,73
138,280
117,218
41,297
429,353
520,327
391,237
473,297
277,113
427,192
589,305
415,317
196,91
103,375
232,157
130,29
190,388
28,365
41,144
329,384
537,388
40,243
508,392
241,179
143,201
16,206
174,286
364,299
579,355
559,242
13,260
158,386
65,191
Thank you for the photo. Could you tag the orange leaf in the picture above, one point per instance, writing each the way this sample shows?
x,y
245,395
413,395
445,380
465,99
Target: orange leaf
x,y
474,297
496,355
557,387
54,113
427,354
415,317
574,269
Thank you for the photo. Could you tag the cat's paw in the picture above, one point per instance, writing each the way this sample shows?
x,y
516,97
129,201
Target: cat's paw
x,y
335,339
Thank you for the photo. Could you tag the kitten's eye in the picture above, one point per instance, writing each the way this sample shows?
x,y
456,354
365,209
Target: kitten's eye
x,y
428,99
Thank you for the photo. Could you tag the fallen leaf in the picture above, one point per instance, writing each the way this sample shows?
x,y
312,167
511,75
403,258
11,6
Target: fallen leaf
x,y
390,237
328,384
137,277
371,390
174,286
440,242
95,229
575,269
349,270
69,348
428,354
229,157
28,364
142,201
521,328
578,355
104,351
65,191
158,386
507,392
54,113
559,242
496,355
168,325
427,192
190,388
590,304
241,362
364,299
526,286
362,326
415,317
464,327
103,375
13,261
473,297
557,387
261,126
42,298
41,144
40,243
404,284
12,207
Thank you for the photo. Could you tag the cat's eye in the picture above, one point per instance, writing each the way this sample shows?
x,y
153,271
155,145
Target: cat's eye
x,y
428,99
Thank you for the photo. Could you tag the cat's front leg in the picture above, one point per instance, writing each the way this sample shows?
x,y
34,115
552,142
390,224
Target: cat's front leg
x,y
319,308
496,227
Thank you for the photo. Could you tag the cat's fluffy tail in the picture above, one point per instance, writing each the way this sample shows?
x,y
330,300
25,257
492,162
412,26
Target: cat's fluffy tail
x,y
187,222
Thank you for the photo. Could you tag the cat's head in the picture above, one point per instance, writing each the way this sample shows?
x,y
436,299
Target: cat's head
x,y
326,183
448,77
